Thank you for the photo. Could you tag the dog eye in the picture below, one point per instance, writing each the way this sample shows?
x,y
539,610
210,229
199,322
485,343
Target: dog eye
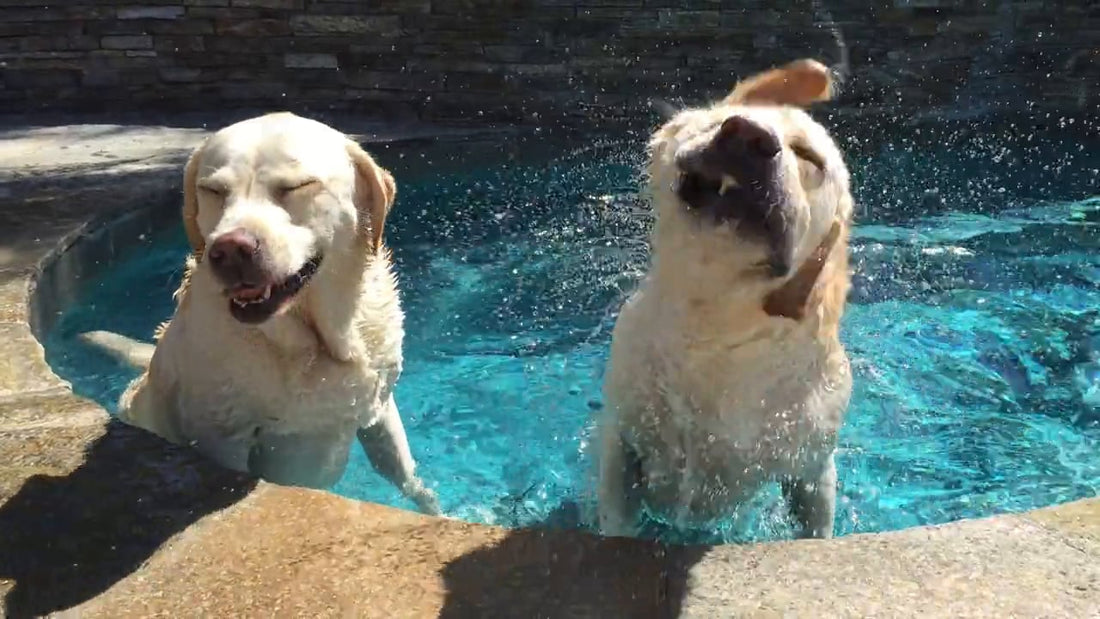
x,y
804,153
811,164
287,189
213,190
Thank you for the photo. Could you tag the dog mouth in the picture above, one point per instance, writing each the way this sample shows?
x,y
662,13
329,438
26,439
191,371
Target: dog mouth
x,y
757,212
252,304
738,179
706,193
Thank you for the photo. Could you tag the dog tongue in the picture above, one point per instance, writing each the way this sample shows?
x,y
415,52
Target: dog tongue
x,y
247,294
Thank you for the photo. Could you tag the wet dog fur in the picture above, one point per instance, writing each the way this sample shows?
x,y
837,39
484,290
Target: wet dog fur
x,y
287,338
726,368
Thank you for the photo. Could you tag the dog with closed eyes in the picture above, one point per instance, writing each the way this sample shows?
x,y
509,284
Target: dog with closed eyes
x,y
287,338
726,368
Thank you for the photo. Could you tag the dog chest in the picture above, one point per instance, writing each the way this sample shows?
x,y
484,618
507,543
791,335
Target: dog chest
x,y
711,424
285,394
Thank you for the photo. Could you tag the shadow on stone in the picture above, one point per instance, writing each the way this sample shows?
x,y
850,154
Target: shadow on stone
x,y
67,539
542,573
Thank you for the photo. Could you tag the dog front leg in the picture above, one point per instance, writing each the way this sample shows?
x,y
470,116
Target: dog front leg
x,y
618,504
151,406
387,448
813,501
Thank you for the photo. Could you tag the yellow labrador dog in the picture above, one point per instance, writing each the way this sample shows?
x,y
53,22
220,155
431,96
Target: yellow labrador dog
x,y
287,337
726,369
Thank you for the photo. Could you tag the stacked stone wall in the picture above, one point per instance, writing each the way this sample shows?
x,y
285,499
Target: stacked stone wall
x,y
522,60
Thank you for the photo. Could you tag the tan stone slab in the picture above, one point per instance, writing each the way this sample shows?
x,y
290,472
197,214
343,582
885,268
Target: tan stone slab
x,y
23,367
14,297
997,567
51,409
42,451
23,252
290,552
1079,520
43,150
83,508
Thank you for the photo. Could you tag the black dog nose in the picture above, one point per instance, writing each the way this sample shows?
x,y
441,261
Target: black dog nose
x,y
233,256
739,135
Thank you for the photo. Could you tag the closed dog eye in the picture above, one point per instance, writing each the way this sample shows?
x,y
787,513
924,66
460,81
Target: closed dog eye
x,y
805,154
217,191
291,188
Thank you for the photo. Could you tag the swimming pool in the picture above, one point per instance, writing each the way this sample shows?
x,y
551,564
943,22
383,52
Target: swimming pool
x,y
973,324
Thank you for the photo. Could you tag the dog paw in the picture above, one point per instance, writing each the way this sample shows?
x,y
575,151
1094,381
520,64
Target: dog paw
x,y
426,500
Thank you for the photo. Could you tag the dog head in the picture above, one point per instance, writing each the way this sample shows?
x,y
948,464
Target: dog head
x,y
754,187
267,199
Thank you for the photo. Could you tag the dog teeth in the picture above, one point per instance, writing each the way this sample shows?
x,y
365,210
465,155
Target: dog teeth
x,y
253,301
728,182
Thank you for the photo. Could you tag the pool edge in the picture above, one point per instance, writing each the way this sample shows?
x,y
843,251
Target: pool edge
x,y
239,547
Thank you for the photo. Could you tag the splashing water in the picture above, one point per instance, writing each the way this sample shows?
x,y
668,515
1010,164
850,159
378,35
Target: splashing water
x,y
972,326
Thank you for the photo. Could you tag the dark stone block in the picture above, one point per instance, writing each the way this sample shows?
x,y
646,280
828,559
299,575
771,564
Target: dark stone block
x,y
375,7
465,50
246,46
47,43
382,25
41,28
288,5
41,78
215,60
127,42
252,27
172,44
480,82
175,75
375,58
56,12
395,80
226,13
141,27
253,90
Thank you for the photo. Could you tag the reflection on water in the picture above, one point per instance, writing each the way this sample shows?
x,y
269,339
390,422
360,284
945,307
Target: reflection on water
x,y
973,326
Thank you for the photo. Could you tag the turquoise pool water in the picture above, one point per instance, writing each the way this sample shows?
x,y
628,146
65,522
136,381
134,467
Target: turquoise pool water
x,y
973,327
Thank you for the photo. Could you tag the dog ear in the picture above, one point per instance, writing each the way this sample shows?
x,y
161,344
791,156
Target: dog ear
x,y
375,191
191,201
799,83
803,290
665,109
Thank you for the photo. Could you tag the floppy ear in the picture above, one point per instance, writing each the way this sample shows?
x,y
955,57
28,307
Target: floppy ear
x,y
799,83
804,290
191,202
664,109
375,191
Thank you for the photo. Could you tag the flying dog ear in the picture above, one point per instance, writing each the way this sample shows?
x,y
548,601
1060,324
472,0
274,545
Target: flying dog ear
x,y
803,290
799,83
191,201
375,191
664,109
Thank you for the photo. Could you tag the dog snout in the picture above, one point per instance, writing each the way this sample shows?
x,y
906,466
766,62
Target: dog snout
x,y
739,135
741,148
234,257
737,174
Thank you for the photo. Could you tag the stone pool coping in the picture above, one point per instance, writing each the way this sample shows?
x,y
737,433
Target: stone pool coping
x,y
101,520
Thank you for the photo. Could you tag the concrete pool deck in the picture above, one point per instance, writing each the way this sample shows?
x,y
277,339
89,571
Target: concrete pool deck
x,y
101,520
